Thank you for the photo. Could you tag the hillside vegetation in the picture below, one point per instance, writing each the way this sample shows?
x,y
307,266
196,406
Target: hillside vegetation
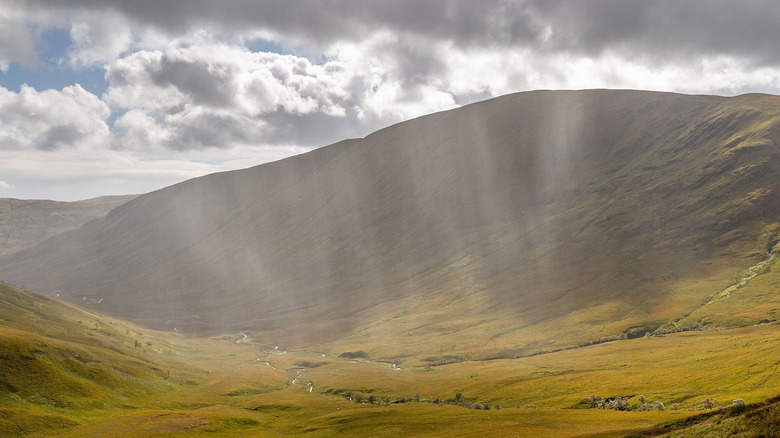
x,y
71,372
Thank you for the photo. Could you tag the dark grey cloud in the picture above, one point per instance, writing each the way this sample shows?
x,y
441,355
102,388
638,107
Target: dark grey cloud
x,y
326,21
15,43
59,136
210,130
416,62
654,27
664,28
204,84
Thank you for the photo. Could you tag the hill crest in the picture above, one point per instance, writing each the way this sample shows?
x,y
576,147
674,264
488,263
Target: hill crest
x,y
536,220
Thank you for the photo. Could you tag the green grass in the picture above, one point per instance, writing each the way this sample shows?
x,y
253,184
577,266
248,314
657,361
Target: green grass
x,y
84,381
751,420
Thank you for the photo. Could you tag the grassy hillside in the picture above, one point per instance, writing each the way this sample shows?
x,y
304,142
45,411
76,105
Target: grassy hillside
x,y
528,223
540,219
25,223
71,372
59,361
749,420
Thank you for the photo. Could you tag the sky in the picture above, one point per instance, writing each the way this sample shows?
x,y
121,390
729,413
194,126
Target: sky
x,y
128,96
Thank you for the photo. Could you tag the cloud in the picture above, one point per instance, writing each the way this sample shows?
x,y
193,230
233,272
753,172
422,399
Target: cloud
x,y
98,38
72,175
654,27
52,120
200,92
16,43
664,29
5,186
182,82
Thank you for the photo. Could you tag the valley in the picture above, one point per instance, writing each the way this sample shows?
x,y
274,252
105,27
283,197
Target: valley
x,y
97,375
502,269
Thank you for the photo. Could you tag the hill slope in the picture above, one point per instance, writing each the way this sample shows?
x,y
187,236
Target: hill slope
x,y
25,223
525,223
59,360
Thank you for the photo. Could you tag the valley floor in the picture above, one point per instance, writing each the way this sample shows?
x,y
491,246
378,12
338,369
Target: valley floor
x,y
220,387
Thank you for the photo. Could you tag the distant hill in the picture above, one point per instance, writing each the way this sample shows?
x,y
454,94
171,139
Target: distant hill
x,y
25,223
531,222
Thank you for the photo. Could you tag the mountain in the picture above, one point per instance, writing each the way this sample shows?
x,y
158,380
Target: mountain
x,y
25,223
527,223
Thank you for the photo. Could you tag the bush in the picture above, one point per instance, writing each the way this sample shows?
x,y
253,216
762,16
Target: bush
x,y
353,354
618,403
738,406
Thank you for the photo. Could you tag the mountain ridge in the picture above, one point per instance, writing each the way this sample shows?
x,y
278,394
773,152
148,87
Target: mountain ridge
x,y
25,223
539,219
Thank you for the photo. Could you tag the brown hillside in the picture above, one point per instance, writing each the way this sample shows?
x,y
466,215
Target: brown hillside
x,y
25,223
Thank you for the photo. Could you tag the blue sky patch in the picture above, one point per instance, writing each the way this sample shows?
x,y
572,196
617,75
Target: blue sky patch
x,y
52,71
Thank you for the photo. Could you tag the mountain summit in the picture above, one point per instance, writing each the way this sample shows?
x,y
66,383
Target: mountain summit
x,y
525,223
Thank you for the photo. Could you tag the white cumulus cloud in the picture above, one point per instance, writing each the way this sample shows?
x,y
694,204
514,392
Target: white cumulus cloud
x,y
98,38
72,118
200,92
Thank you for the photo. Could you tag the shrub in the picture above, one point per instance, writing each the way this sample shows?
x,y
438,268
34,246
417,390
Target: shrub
x,y
738,406
618,403
353,354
